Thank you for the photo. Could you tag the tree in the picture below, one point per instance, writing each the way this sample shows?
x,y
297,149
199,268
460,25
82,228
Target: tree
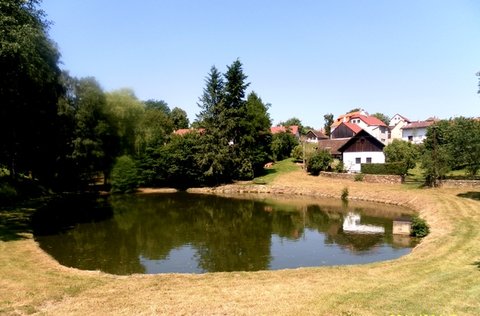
x,y
402,151
95,142
211,99
179,118
436,159
153,130
159,105
125,111
294,121
464,144
29,91
282,145
328,118
124,175
320,161
382,117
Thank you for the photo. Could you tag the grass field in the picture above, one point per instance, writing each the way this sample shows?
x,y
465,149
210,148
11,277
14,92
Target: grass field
x,y
441,276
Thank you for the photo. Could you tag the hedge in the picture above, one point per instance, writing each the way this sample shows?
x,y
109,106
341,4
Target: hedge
x,y
396,168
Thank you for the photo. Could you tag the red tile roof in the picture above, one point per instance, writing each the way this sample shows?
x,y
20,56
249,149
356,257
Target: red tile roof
x,y
369,120
354,127
279,129
184,131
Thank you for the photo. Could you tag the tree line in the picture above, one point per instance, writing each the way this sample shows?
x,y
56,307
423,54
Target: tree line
x,y
68,133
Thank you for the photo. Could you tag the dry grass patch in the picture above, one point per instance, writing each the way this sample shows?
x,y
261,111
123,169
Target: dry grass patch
x,y
438,277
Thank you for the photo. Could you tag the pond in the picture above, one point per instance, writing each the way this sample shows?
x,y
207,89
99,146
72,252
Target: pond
x,y
193,233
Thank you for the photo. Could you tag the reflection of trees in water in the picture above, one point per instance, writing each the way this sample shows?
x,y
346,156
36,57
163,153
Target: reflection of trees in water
x,y
227,234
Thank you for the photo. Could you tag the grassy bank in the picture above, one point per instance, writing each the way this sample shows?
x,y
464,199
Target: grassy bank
x,y
440,276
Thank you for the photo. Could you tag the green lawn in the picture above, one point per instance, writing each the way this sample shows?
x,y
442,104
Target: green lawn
x,y
278,168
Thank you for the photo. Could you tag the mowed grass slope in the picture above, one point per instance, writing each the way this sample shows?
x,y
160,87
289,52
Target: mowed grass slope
x,y
439,277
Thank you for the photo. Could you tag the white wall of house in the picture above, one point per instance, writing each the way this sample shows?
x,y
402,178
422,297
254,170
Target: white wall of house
x,y
396,131
414,135
352,160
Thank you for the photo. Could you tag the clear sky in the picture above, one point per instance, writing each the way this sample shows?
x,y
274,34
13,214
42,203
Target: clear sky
x,y
307,58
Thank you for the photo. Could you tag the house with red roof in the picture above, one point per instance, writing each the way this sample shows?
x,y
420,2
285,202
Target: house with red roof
x,y
372,125
345,130
282,129
184,131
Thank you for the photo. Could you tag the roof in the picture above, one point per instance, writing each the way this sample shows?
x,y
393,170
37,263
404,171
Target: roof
x,y
370,120
354,127
280,129
362,133
418,124
340,118
332,145
318,134
184,131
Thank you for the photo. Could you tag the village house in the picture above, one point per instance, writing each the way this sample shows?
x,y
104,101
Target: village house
x,y
416,132
282,129
396,125
361,148
314,136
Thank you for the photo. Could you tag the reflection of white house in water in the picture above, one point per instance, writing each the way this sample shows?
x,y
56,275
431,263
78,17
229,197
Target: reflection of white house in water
x,y
351,224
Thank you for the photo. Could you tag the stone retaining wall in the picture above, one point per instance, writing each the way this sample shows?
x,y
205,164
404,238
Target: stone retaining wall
x,y
461,183
371,178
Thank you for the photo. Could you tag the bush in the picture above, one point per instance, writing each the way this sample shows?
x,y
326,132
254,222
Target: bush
x,y
419,227
124,175
359,177
396,168
320,161
8,194
344,195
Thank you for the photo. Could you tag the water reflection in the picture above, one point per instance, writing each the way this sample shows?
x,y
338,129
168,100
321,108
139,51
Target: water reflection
x,y
196,234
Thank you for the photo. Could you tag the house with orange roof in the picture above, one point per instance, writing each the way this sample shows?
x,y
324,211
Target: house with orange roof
x,y
345,118
372,125
184,131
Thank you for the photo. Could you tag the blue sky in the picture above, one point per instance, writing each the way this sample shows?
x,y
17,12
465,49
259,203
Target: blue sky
x,y
306,57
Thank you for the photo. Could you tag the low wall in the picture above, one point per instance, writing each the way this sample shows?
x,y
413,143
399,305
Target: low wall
x,y
461,183
371,178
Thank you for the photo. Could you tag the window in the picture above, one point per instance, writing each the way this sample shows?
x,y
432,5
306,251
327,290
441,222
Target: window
x,y
369,159
410,138
358,160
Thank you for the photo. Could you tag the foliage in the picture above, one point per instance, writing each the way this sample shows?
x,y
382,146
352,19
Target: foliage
x,y
8,193
419,227
124,175
320,161
304,151
295,121
338,166
159,105
359,177
328,118
382,117
402,151
29,91
179,118
344,195
396,168
282,145
436,159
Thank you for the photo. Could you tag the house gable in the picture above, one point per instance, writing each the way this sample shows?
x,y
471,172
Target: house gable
x,y
345,130
362,142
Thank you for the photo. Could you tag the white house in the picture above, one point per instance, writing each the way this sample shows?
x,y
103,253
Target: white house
x,y
361,148
396,125
372,125
416,132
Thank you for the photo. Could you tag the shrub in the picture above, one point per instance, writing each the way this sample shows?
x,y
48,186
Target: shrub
x,y
419,227
124,175
339,167
320,161
8,194
344,195
359,177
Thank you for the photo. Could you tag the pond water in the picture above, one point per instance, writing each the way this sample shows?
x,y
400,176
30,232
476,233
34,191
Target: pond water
x,y
192,233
